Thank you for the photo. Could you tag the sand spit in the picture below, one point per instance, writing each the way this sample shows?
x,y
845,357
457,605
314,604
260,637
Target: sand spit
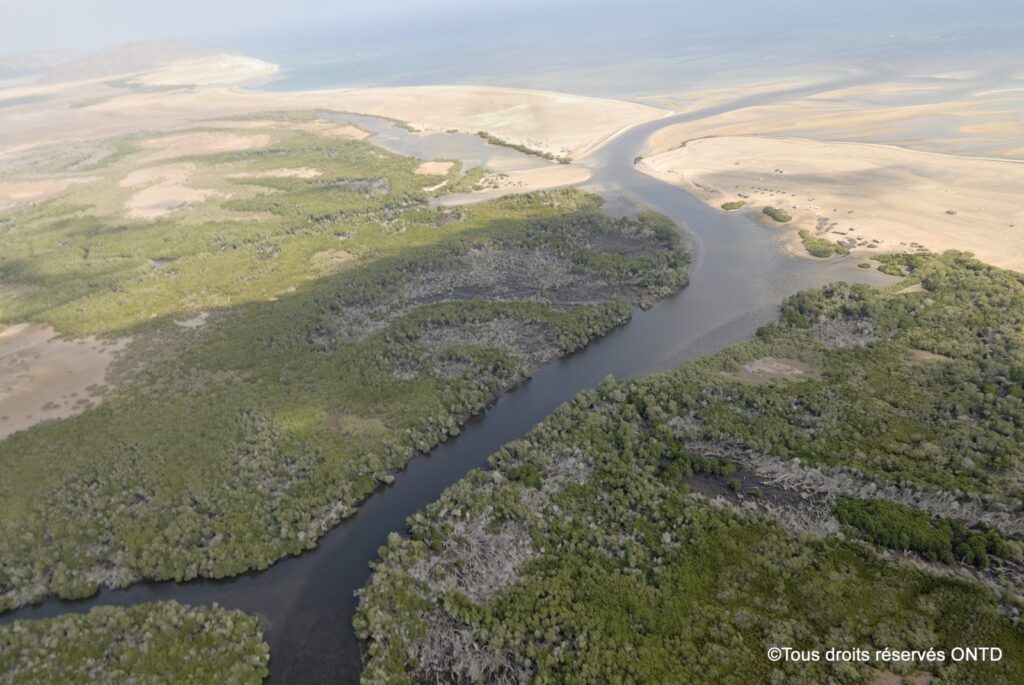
x,y
519,181
932,114
555,123
871,198
212,70
45,377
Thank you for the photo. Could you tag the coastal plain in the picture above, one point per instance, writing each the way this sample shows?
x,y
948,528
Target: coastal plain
x,y
180,248
868,197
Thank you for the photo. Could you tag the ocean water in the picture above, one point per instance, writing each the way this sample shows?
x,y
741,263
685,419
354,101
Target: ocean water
x,y
620,49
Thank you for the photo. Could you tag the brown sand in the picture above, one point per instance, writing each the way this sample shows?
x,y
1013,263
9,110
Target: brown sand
x,y
768,369
433,168
44,377
874,197
557,123
21,192
202,143
295,172
520,181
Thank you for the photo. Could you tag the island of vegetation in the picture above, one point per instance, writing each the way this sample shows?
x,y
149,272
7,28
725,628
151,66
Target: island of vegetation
x,y
525,149
733,205
850,477
777,214
282,288
164,642
822,247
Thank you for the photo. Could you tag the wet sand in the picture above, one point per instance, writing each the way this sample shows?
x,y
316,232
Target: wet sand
x,y
45,377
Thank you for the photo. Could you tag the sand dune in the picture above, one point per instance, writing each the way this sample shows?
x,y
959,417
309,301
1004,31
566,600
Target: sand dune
x,y
874,197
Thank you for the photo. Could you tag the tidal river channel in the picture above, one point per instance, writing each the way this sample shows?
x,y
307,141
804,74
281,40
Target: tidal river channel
x,y
739,275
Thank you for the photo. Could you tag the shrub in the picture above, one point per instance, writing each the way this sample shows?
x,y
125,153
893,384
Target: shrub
x,y
777,214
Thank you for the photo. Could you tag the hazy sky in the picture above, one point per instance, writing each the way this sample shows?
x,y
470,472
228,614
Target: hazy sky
x,y
28,25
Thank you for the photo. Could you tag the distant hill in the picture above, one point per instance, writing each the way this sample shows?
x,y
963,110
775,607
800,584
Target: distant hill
x,y
127,58
29,64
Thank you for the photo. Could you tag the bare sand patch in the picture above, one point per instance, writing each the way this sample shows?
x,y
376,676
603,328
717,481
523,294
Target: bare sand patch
x,y
926,357
13,193
768,369
868,197
910,289
294,172
542,178
162,190
45,377
169,173
160,200
433,168
519,181
202,143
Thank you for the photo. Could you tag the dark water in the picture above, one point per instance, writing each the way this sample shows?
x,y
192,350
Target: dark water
x,y
739,276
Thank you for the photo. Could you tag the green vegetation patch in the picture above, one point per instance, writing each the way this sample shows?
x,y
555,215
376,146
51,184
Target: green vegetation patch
x,y
900,527
822,247
162,642
777,214
584,555
733,205
525,149
357,326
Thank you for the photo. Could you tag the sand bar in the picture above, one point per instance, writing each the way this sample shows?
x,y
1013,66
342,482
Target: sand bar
x,y
874,197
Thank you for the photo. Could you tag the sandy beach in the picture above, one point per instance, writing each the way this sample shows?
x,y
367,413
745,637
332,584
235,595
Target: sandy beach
x,y
947,113
195,91
874,198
